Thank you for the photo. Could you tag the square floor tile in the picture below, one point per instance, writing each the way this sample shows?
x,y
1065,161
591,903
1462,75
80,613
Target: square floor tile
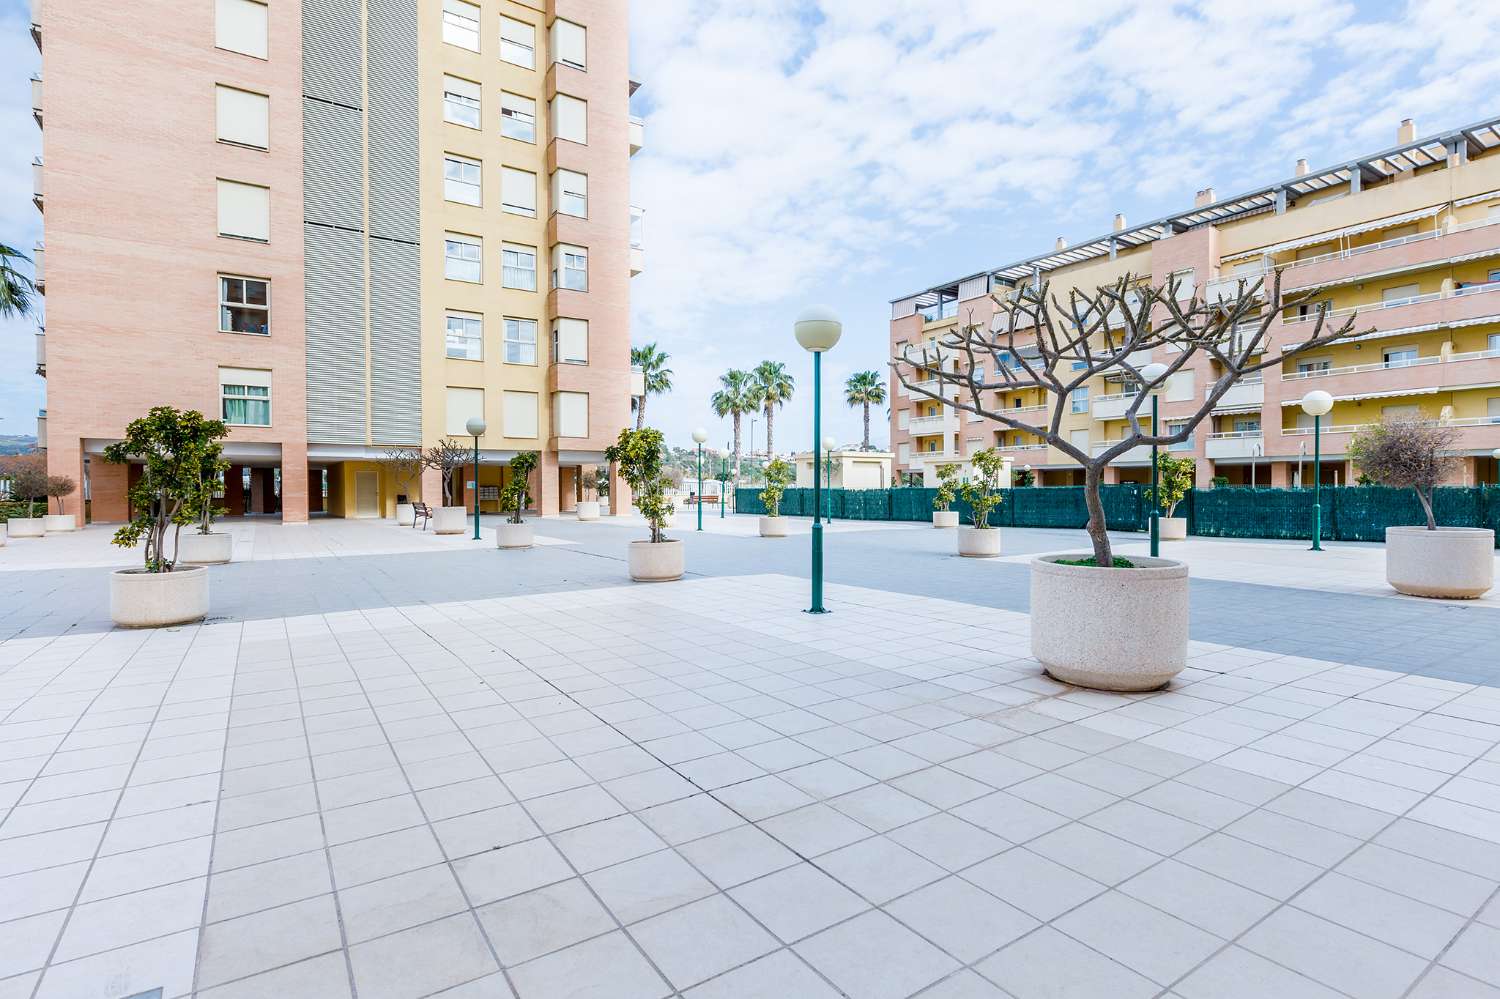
x,y
882,807
1332,955
607,967
875,957
1032,883
776,976
511,870
880,869
422,960
960,918
400,901
690,818
602,844
950,842
798,901
264,940
737,855
526,926
702,940
1098,855
815,829
1199,898
1139,937
1236,973
646,886
1047,963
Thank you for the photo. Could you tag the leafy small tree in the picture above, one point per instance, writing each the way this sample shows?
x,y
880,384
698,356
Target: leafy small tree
x,y
60,487
638,455
211,473
1176,477
982,491
947,487
1407,454
28,482
588,484
779,475
174,447
517,495
405,464
1023,478
446,457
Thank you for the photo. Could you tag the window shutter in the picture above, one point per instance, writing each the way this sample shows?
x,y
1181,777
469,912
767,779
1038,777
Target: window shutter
x,y
244,210
462,404
571,414
573,341
243,117
244,376
518,190
568,44
570,118
520,415
240,26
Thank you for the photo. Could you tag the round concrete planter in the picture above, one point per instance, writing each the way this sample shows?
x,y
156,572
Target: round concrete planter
x,y
588,510
945,518
976,543
1172,528
204,549
450,520
59,523
1111,629
509,535
1453,562
773,527
406,514
157,599
27,527
656,563
3,534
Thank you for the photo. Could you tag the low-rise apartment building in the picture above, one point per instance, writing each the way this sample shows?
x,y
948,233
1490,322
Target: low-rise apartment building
x,y
1408,238
341,226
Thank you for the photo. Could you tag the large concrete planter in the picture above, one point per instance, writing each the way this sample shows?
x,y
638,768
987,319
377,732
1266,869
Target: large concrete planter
x,y
588,510
450,520
204,549
509,535
157,599
4,533
59,523
27,527
1453,562
406,514
976,543
1111,629
945,518
773,527
1172,528
656,563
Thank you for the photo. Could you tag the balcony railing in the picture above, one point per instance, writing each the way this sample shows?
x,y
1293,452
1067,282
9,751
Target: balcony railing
x,y
41,354
36,183
39,273
1352,369
1235,444
938,312
1023,447
1354,428
1022,410
1385,244
1396,303
41,428
637,134
924,425
36,99
637,240
36,23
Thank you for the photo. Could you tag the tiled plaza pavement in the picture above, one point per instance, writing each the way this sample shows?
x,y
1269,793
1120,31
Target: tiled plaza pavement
x,y
694,789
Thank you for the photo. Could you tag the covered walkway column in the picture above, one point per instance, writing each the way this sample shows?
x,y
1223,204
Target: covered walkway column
x,y
547,498
294,501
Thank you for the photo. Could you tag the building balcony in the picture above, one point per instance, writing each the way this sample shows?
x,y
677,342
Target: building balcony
x,y
1140,454
935,387
41,428
36,183
1391,256
637,240
945,457
1021,448
39,275
923,426
36,99
1247,392
1418,376
41,354
1235,444
1112,407
637,382
637,134
36,23
1433,310
1474,434
1227,288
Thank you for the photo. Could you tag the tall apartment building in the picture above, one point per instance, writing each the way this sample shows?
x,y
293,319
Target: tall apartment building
x,y
341,226
1407,237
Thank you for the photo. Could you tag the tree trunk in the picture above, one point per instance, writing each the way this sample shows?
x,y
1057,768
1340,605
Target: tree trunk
x,y
736,453
770,421
867,426
1093,476
640,414
1426,499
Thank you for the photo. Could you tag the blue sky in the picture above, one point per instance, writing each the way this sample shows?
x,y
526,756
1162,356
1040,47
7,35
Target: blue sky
x,y
850,151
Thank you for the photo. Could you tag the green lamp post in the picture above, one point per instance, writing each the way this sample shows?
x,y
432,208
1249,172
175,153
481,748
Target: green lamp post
x,y
818,330
1316,404
476,428
699,436
1153,373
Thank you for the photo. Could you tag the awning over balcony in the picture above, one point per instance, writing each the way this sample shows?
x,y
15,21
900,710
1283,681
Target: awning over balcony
x,y
1363,396
1352,230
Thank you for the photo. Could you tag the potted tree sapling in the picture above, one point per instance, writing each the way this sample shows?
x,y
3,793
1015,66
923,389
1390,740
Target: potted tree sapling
x,y
515,497
447,457
59,488
982,492
1175,476
638,455
172,447
1425,560
28,485
405,465
588,507
779,475
947,492
203,546
1098,620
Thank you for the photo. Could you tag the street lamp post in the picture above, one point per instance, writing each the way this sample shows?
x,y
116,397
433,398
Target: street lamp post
x,y
1153,372
828,445
476,428
1316,404
818,330
699,436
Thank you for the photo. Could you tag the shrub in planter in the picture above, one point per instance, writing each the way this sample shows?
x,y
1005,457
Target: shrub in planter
x,y
982,492
173,447
588,506
515,532
405,465
59,488
28,486
447,457
204,547
638,455
1175,477
779,475
1023,478
1427,560
947,492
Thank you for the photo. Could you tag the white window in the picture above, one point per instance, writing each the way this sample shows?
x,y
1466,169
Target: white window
x,y
518,191
463,405
570,267
240,26
463,258
462,179
1182,386
1247,424
518,42
518,266
903,453
517,117
1492,409
569,44
1493,342
245,397
570,193
1399,357
520,341
461,24
1080,440
519,417
570,118
903,419
244,305
570,341
243,117
244,211
1399,293
570,414
461,102
466,336
1320,364
1079,400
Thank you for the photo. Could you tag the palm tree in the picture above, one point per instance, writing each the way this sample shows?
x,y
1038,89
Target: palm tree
x,y
16,288
776,386
653,364
739,394
865,388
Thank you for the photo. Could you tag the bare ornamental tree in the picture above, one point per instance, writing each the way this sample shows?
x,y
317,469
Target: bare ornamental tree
x,y
1037,340
1408,454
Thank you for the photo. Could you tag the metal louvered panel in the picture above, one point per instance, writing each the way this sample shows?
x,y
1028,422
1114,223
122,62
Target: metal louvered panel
x,y
973,287
331,51
391,34
395,343
335,287
332,165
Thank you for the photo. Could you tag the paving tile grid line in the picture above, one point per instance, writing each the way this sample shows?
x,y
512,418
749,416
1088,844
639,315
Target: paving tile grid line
x,y
552,655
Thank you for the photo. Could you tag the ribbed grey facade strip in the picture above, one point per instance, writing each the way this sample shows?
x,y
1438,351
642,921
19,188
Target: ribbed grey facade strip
x,y
332,165
391,36
331,51
335,292
395,343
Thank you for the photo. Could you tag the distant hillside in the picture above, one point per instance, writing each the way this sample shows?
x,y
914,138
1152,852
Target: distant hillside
x,y
16,444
